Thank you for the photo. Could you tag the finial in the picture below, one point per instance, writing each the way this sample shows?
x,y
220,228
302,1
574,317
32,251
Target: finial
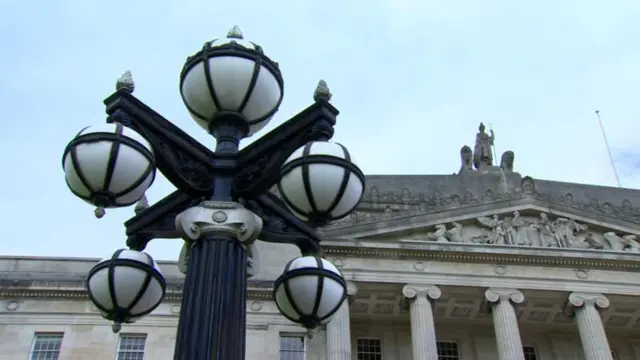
x,y
311,333
116,327
322,92
235,33
125,82
99,212
141,205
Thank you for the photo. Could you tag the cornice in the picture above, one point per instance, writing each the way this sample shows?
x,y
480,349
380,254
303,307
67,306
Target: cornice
x,y
402,204
463,253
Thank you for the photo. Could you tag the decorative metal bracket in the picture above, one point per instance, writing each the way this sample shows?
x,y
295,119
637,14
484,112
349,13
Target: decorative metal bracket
x,y
158,221
190,166
185,162
260,162
219,218
280,226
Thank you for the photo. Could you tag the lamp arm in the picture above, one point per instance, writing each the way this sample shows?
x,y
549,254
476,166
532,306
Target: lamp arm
x,y
281,226
259,163
186,163
158,221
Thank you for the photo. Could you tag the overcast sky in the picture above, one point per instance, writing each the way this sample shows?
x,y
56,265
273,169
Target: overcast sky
x,y
412,79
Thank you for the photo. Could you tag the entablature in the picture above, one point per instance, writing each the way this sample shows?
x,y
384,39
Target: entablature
x,y
410,249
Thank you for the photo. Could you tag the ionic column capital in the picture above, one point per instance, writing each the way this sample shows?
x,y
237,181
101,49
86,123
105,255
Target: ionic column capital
x,y
352,290
412,291
495,295
580,299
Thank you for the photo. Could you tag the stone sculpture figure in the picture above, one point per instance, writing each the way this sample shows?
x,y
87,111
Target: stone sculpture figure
x,y
506,161
439,235
622,243
454,234
592,243
545,229
482,156
520,225
466,159
632,243
510,233
566,230
562,234
497,236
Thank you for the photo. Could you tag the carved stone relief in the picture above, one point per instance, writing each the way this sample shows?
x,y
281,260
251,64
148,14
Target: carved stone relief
x,y
388,204
540,231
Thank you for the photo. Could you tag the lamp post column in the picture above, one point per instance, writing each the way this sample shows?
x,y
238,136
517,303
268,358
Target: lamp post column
x,y
212,321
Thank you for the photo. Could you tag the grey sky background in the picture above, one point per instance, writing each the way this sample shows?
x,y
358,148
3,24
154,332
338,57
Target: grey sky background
x,y
412,79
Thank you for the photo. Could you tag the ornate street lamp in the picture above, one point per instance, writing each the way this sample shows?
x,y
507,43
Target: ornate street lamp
x,y
277,189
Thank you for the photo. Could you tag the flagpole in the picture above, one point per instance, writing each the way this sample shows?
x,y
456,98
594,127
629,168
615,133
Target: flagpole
x,y
606,143
493,148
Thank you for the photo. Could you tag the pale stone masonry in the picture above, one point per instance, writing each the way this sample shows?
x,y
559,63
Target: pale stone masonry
x,y
339,330
480,265
505,322
592,333
423,336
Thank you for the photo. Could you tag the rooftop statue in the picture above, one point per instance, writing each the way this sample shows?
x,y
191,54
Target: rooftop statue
x,y
483,157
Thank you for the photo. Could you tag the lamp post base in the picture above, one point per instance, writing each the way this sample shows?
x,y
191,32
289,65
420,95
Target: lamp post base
x,y
213,313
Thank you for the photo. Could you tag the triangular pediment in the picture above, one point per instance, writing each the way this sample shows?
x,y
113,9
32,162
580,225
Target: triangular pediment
x,y
472,202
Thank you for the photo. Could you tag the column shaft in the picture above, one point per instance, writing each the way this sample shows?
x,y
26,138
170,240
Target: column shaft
x,y
339,335
505,322
592,334
423,334
339,330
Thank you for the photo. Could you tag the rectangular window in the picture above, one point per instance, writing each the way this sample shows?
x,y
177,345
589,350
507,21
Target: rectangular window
x,y
448,350
529,353
369,349
131,346
292,347
46,346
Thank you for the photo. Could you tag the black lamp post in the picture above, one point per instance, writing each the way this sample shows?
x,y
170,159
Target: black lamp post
x,y
277,189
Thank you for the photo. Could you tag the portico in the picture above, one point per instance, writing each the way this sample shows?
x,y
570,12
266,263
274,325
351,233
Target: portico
x,y
533,324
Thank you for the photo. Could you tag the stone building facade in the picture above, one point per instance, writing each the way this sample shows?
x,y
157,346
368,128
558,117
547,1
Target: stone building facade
x,y
484,264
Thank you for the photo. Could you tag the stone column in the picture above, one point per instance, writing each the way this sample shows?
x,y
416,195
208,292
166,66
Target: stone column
x,y
592,334
423,333
505,322
339,330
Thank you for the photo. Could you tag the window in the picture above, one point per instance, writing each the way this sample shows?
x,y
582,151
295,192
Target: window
x,y
46,346
131,346
292,347
369,349
448,350
529,353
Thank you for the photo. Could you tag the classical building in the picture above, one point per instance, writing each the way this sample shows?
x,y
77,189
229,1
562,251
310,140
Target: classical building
x,y
484,264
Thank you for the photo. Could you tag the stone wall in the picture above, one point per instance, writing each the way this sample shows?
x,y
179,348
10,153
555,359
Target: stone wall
x,y
87,336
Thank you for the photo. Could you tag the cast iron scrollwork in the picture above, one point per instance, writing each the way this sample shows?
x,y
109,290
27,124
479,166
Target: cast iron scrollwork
x,y
158,221
185,162
280,226
260,162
